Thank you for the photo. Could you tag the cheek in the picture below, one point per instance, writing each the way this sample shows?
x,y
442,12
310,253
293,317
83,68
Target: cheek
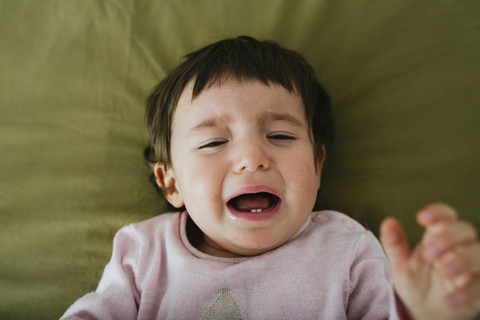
x,y
304,179
202,185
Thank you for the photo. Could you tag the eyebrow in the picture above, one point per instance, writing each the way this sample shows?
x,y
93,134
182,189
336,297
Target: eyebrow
x,y
275,116
265,116
210,122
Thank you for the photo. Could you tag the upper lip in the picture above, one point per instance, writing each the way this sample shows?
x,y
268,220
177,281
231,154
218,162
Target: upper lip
x,y
254,189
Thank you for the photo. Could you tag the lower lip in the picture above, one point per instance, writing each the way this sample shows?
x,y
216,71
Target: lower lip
x,y
256,216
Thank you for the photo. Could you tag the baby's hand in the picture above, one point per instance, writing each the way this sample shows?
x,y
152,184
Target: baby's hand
x,y
440,278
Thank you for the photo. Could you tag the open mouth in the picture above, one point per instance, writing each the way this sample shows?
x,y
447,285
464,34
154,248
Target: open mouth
x,y
254,202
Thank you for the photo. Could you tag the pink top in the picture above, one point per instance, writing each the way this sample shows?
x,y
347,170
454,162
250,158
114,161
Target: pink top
x,y
332,268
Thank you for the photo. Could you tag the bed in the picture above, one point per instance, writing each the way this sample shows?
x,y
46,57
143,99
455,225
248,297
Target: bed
x,y
404,77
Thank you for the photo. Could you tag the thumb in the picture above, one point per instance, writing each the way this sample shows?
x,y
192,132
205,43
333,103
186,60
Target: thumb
x,y
394,243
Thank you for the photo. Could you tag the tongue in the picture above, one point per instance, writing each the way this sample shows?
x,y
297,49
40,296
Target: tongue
x,y
248,202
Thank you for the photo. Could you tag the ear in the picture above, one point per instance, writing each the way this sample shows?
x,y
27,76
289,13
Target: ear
x,y
320,161
167,181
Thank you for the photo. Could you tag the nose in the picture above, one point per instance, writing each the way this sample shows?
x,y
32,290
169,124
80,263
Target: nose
x,y
250,156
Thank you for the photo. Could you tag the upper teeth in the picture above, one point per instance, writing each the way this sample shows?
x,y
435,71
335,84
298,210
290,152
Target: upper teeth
x,y
256,210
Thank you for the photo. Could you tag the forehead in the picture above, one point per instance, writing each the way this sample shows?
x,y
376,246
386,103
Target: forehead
x,y
246,99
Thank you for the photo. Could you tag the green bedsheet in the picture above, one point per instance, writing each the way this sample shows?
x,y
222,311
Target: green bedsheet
x,y
404,76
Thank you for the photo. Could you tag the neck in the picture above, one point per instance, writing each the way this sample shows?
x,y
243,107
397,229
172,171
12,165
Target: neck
x,y
213,250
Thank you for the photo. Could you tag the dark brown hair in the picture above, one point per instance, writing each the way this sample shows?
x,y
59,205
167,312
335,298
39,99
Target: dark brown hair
x,y
244,58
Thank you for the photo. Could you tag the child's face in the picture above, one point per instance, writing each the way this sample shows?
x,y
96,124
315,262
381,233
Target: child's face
x,y
235,139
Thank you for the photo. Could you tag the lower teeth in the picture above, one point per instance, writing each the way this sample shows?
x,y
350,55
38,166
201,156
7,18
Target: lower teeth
x,y
256,210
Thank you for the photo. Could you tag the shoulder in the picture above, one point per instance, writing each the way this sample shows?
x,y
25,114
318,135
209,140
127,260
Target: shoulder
x,y
325,215
152,225
143,244
338,232
147,233
335,222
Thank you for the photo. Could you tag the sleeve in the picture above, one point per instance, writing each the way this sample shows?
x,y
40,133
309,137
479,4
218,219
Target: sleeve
x,y
371,293
116,296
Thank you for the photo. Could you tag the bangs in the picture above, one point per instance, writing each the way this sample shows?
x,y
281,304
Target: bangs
x,y
246,60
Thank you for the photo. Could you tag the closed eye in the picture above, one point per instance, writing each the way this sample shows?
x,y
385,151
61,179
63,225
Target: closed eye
x,y
212,144
281,136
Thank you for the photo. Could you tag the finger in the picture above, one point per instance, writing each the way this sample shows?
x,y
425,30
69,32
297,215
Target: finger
x,y
461,265
438,242
394,243
436,213
467,299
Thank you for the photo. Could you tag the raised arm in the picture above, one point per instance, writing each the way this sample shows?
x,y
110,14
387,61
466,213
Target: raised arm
x,y
440,277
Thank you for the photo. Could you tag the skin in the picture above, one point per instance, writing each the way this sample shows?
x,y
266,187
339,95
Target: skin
x,y
241,136
440,277
227,139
